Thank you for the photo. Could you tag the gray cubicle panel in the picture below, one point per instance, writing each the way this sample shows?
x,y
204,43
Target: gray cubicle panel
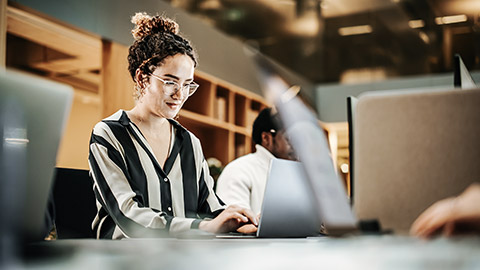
x,y
412,149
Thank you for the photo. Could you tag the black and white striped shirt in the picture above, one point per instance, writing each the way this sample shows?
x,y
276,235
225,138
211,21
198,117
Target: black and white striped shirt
x,y
135,196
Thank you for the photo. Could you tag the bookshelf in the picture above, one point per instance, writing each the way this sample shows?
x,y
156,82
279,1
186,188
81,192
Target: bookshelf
x,y
220,115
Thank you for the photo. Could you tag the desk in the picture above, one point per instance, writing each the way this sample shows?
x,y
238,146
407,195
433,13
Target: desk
x,y
356,252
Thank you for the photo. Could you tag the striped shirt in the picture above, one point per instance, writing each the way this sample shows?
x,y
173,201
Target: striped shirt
x,y
135,196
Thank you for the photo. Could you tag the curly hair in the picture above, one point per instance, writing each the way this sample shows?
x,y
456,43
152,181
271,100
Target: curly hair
x,y
156,38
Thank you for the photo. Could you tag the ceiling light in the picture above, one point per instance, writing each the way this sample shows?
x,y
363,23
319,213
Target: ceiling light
x,y
355,30
344,168
363,75
424,37
210,5
451,19
307,25
416,23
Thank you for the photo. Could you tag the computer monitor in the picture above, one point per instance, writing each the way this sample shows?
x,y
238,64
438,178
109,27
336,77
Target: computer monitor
x,y
461,76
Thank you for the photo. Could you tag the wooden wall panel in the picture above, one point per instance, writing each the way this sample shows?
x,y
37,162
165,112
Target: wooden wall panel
x,y
85,113
3,32
116,88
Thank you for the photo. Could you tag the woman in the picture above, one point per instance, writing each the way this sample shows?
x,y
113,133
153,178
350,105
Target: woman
x,y
150,175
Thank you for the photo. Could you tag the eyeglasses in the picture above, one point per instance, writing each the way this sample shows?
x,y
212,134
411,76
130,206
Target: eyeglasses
x,y
171,87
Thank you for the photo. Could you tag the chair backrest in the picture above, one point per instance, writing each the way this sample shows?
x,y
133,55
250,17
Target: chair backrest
x,y
74,202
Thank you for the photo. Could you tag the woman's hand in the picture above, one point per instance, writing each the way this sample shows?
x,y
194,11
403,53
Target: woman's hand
x,y
231,219
452,215
249,228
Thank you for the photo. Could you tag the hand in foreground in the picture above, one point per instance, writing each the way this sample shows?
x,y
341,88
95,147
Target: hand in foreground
x,y
451,216
231,219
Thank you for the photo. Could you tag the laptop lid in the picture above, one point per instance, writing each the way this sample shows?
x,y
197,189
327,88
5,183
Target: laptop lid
x,y
413,149
288,208
461,76
351,103
33,114
311,146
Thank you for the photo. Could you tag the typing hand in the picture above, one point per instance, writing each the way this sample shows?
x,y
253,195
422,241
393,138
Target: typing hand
x,y
451,216
231,219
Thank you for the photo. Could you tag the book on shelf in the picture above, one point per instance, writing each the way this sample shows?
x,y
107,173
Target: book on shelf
x,y
240,150
220,108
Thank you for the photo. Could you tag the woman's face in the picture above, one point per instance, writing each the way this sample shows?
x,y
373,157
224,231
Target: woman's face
x,y
178,68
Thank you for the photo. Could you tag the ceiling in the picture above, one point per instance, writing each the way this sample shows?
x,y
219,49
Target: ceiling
x,y
351,40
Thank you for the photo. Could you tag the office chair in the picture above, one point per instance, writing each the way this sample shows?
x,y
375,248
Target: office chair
x,y
74,203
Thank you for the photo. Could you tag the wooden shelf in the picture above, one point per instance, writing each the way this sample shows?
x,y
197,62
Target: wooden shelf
x,y
191,118
73,55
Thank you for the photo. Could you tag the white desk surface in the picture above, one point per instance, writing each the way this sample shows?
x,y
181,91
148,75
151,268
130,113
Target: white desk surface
x,y
356,252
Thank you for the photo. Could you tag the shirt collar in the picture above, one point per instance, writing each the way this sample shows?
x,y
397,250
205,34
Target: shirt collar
x,y
264,153
124,120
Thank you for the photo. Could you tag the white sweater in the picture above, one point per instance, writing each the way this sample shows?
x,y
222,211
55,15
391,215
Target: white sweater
x,y
243,180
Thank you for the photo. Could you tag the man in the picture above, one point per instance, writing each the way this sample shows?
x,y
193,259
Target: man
x,y
243,180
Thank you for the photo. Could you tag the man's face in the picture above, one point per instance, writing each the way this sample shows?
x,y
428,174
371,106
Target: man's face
x,y
281,147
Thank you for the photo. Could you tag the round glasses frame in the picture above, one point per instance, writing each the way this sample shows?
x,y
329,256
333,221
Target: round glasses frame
x,y
171,87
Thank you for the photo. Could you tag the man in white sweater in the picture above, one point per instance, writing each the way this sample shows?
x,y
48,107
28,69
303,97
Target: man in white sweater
x,y
243,180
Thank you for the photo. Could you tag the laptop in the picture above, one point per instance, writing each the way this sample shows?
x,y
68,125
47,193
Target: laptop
x,y
33,114
461,76
311,146
288,208
412,149
351,103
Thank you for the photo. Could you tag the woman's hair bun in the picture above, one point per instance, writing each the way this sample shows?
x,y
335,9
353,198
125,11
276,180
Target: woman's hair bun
x,y
146,25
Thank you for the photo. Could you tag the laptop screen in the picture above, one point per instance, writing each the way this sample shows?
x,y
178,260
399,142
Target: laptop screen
x,y
287,194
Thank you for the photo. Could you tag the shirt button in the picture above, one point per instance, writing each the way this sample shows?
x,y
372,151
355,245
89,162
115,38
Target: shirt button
x,y
169,208
165,179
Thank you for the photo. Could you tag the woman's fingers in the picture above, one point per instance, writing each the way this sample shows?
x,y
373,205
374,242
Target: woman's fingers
x,y
247,228
250,215
244,212
240,218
